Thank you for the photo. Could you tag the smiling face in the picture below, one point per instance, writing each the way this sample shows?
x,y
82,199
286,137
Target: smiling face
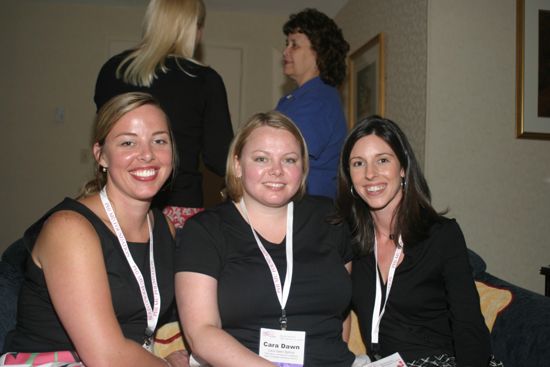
x,y
137,153
270,167
376,174
299,59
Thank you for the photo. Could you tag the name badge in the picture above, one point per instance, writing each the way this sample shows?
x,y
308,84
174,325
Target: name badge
x,y
283,347
393,360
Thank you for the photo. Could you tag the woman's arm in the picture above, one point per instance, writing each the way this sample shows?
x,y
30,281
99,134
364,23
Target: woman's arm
x,y
170,226
69,252
470,335
217,128
196,296
346,326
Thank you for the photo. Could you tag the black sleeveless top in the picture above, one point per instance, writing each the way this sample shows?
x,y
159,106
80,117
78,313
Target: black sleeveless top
x,y
38,328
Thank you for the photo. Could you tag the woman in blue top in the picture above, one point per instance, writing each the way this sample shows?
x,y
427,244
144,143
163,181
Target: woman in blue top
x,y
315,58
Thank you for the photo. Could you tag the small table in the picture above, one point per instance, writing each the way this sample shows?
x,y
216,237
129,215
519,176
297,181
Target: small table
x,y
545,270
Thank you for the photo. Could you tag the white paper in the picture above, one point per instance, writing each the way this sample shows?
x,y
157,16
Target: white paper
x,y
393,360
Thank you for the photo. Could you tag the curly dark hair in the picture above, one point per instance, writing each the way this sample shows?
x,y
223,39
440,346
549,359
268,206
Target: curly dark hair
x,y
326,40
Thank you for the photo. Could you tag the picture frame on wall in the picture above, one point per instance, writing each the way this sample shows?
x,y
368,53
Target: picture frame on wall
x,y
533,69
366,81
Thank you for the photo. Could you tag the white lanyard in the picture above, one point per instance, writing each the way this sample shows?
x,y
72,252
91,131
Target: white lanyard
x,y
282,292
152,313
376,312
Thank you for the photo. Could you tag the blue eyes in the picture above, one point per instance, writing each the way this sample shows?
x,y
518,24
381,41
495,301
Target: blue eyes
x,y
285,160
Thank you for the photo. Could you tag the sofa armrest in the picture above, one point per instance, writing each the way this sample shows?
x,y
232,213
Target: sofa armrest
x,y
12,266
520,334
10,283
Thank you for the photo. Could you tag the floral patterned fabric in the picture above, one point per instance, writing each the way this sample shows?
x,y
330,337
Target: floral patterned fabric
x,y
178,215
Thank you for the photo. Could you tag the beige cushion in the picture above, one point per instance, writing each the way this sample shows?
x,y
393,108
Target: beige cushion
x,y
493,300
168,339
355,342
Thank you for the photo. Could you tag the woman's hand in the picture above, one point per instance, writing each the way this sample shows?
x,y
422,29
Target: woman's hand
x,y
179,358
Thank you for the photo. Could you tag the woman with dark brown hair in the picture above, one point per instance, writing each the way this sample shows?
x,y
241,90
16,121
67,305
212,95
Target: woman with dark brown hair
x,y
413,290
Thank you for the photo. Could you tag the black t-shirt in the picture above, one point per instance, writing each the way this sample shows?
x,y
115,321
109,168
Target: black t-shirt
x,y
219,243
195,101
38,327
433,305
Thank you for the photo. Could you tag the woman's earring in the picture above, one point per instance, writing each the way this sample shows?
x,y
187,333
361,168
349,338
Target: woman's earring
x,y
403,183
352,192
103,169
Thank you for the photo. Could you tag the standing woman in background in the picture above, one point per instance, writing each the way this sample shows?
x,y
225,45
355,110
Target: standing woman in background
x,y
315,58
192,95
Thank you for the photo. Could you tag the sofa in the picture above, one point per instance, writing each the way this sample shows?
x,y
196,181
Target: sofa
x,y
12,264
519,319
520,334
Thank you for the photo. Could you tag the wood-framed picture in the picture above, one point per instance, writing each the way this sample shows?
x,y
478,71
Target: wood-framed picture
x,y
533,69
366,81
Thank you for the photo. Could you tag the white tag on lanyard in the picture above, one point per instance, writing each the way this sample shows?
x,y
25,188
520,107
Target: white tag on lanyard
x,y
282,292
152,312
284,348
377,313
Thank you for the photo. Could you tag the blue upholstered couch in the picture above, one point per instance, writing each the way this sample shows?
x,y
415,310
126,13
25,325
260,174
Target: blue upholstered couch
x,y
11,276
520,333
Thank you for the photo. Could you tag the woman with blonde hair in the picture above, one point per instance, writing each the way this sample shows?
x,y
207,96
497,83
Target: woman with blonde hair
x,y
265,266
192,95
99,278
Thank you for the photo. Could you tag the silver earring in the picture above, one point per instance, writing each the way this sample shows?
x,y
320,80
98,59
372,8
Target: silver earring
x,y
403,183
103,169
352,192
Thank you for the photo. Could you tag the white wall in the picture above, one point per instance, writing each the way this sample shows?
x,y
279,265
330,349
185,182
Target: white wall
x,y
259,36
51,54
404,25
495,185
